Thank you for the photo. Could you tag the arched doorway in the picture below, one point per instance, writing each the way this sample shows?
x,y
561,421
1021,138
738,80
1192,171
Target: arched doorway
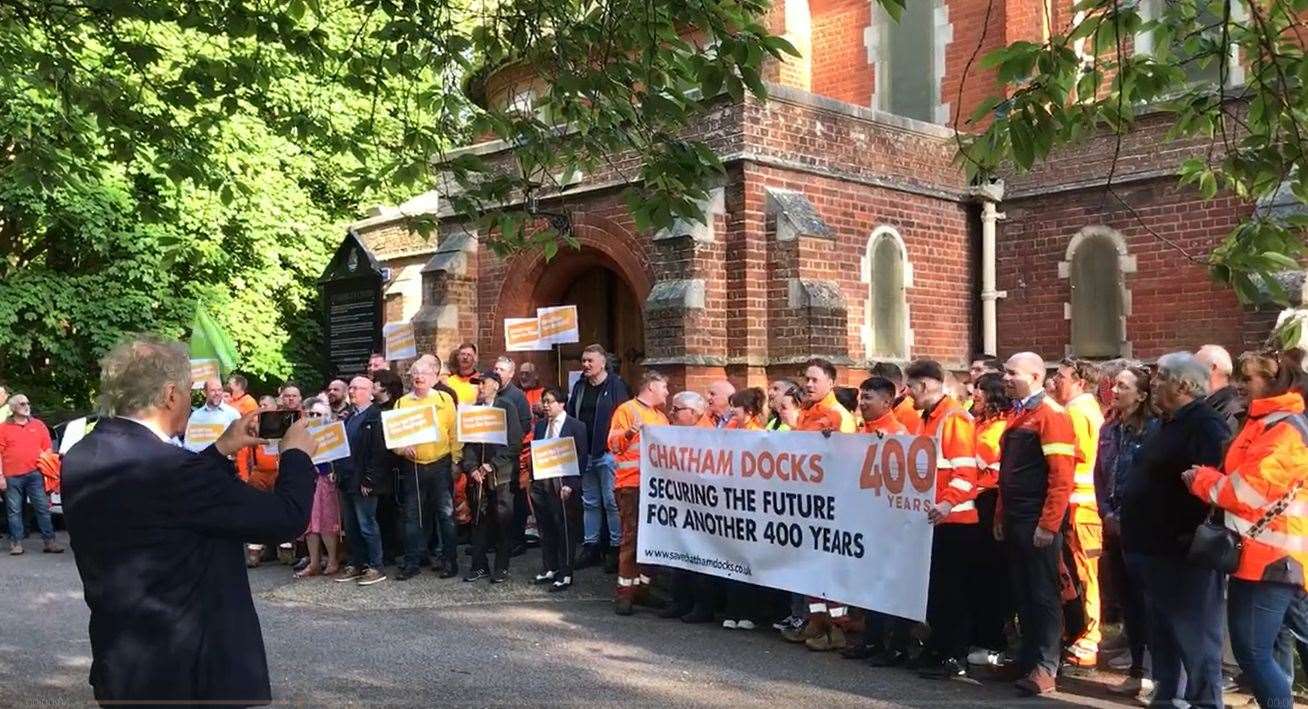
x,y
608,311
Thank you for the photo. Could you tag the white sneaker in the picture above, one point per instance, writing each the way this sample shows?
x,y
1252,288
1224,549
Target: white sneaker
x,y
983,657
729,624
744,625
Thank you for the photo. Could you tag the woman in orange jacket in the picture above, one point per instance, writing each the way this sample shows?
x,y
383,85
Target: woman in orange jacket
x,y
992,602
1265,470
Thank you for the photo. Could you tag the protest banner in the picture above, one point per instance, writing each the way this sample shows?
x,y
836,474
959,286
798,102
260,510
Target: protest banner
x,y
481,424
332,442
841,518
400,341
558,325
202,370
554,458
523,335
410,427
201,435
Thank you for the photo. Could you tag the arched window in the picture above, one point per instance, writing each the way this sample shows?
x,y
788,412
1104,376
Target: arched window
x,y
908,57
888,275
1096,266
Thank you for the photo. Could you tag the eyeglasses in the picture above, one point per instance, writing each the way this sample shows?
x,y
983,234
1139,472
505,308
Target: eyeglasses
x,y
675,409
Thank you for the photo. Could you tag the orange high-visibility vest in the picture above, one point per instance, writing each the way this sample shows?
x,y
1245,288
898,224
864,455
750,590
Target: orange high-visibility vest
x,y
626,449
908,415
1267,457
988,433
827,414
888,424
955,433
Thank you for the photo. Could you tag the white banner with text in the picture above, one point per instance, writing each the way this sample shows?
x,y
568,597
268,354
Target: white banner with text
x,y
842,518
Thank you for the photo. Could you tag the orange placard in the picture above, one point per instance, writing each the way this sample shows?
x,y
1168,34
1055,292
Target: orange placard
x,y
554,458
332,443
200,435
202,370
522,335
400,341
482,424
410,427
558,325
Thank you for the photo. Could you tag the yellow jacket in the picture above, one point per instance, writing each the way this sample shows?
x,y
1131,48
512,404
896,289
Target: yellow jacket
x,y
1087,419
445,415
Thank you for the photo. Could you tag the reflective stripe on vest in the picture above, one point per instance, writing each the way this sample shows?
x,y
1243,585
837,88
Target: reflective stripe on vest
x,y
1270,537
628,464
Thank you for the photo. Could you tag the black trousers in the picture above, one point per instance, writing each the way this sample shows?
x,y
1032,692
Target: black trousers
x,y
558,522
518,533
492,525
992,595
1034,575
953,548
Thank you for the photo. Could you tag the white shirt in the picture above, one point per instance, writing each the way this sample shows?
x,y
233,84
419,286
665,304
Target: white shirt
x,y
222,414
557,424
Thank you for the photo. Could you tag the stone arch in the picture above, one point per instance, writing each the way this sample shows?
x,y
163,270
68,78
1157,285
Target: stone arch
x,y
1095,265
887,274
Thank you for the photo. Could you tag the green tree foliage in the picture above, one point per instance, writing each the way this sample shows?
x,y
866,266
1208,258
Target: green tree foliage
x,y
1085,79
156,153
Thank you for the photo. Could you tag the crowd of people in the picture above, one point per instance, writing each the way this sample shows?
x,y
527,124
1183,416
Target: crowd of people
x,y
1067,496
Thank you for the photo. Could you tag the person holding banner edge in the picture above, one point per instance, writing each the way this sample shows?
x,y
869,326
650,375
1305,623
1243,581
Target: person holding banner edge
x,y
555,499
624,441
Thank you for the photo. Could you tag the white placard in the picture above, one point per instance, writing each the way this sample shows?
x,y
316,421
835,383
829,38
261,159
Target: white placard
x,y
74,431
481,424
558,325
840,518
333,444
411,426
554,458
400,341
523,335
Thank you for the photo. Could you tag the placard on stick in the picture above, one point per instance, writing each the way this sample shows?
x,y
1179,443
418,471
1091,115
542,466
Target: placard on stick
x,y
410,427
523,335
400,341
332,442
482,424
558,324
554,458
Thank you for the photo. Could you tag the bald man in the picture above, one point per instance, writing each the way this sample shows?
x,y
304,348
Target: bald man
x,y
1222,396
1036,467
211,419
363,477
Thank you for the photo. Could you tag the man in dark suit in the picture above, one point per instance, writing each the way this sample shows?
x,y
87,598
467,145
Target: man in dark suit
x,y
555,499
157,533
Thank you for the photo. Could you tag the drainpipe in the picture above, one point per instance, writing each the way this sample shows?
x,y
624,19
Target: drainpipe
x,y
989,196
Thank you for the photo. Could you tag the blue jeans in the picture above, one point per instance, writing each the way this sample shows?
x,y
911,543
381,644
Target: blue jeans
x,y
33,486
1183,602
1256,612
359,514
597,486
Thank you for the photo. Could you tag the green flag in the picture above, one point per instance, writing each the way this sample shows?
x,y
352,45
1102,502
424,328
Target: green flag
x,y
210,341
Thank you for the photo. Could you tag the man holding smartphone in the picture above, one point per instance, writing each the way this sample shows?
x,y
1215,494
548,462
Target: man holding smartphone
x,y
157,534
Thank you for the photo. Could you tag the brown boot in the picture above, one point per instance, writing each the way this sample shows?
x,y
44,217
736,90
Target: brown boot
x,y
623,606
815,627
833,639
15,548
52,547
1036,683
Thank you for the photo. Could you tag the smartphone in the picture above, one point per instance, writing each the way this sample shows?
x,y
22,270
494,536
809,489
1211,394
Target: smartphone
x,y
273,424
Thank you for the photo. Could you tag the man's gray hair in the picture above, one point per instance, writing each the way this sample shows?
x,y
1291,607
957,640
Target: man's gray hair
x,y
1216,357
505,359
691,400
1185,369
134,374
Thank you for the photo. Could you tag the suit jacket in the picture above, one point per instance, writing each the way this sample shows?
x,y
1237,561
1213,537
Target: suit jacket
x,y
368,462
157,534
504,459
575,429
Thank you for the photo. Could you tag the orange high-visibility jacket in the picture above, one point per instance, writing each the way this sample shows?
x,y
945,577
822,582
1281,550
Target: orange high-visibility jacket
x,y
988,433
955,433
908,415
626,449
257,467
888,424
825,414
1087,419
1264,460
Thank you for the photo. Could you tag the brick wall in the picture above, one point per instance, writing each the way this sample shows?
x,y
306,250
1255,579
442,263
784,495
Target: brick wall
x,y
1174,304
839,65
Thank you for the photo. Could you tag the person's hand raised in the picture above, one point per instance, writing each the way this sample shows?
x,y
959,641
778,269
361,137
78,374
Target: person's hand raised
x,y
242,433
298,438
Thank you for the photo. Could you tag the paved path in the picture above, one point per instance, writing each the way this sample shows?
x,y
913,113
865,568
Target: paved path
x,y
428,641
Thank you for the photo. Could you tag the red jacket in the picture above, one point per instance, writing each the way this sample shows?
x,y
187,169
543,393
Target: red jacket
x,y
1037,460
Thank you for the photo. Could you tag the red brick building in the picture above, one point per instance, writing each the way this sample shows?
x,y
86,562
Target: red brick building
x,y
844,229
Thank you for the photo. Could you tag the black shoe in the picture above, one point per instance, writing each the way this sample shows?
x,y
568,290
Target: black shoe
x,y
476,575
518,550
698,615
858,651
611,562
887,658
674,610
562,584
449,572
623,606
948,668
406,574
499,577
588,557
